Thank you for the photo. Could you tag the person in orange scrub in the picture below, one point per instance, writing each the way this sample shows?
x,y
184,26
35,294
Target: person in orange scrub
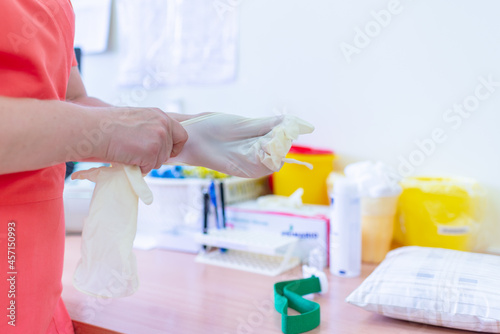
x,y
46,119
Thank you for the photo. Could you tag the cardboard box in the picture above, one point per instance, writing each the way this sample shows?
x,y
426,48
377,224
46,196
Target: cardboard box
x,y
310,223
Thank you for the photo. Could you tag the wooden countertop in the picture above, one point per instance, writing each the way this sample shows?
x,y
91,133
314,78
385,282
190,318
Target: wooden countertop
x,y
179,296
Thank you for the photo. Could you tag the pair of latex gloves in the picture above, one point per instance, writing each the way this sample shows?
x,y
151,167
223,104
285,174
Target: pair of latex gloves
x,y
235,145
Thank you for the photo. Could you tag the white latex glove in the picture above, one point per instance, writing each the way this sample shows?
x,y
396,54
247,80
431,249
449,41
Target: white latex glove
x,y
240,146
108,266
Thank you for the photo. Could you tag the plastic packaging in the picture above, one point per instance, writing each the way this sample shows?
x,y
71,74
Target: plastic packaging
x,y
291,177
108,266
374,179
378,207
317,259
435,286
439,212
240,146
274,201
345,237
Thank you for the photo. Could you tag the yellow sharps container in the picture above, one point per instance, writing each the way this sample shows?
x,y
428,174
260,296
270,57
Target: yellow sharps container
x,y
439,212
294,176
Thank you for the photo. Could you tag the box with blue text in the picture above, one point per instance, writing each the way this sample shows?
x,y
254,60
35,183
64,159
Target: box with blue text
x,y
310,223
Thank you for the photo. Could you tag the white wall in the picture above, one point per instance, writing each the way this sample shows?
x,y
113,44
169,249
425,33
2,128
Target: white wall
x,y
393,93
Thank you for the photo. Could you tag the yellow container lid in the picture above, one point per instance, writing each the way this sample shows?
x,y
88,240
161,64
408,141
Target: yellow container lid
x,y
293,176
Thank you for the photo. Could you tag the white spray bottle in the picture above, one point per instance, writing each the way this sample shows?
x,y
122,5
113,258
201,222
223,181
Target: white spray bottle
x,y
345,229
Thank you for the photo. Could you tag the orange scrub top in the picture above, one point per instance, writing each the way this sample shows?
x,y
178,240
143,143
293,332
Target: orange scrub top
x,y
36,55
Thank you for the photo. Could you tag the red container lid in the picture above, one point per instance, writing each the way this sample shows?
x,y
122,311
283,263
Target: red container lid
x,y
298,149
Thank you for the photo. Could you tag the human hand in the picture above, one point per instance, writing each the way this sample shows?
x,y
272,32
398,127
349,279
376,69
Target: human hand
x,y
144,137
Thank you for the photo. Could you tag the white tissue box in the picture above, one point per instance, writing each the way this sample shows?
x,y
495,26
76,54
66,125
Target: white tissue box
x,y
310,223
176,215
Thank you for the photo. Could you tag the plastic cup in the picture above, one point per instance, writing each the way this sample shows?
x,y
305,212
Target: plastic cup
x,y
377,225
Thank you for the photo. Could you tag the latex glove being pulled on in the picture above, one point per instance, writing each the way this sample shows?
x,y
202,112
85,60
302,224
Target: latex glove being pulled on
x,y
240,146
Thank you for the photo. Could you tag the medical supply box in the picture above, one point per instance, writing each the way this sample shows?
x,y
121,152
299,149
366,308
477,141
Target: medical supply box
x,y
176,214
310,223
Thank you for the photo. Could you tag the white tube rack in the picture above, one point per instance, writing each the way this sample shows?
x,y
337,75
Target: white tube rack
x,y
262,253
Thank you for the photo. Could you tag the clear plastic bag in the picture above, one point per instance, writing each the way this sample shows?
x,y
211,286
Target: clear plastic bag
x,y
440,212
440,287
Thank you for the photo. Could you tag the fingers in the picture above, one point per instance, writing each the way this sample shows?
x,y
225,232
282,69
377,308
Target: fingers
x,y
171,139
145,137
165,145
244,128
303,126
179,138
146,169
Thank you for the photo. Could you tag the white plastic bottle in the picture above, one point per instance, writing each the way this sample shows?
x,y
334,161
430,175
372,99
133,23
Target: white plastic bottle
x,y
345,229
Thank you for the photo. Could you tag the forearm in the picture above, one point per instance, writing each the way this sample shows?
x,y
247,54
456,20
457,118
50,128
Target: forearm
x,y
89,101
38,133
35,133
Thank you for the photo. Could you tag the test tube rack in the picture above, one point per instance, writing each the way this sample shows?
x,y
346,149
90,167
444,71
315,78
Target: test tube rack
x,y
258,252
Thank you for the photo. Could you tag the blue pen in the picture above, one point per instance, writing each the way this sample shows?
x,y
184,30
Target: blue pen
x,y
223,209
206,211
222,204
213,198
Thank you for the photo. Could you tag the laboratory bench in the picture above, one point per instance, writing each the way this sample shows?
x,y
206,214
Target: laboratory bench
x,y
180,296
